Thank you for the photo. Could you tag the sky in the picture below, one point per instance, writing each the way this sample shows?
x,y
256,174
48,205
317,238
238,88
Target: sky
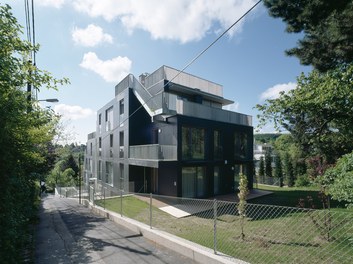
x,y
96,43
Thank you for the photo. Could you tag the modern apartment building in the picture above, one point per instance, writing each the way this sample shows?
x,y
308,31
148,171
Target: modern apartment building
x,y
167,133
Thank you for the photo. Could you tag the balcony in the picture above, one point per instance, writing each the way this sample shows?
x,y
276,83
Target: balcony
x,y
153,152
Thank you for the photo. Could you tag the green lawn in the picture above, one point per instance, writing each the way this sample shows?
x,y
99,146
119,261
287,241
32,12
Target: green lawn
x,y
276,234
285,196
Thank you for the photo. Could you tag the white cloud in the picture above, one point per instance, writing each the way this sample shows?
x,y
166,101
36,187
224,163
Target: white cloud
x,y
181,20
53,3
113,70
273,92
91,36
73,112
232,107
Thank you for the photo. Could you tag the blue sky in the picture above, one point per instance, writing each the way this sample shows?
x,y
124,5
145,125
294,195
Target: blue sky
x,y
95,43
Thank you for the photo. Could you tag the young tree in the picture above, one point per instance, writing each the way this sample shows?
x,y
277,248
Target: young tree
x,y
24,136
243,193
327,28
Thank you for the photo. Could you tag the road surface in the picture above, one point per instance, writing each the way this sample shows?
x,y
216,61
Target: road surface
x,y
70,233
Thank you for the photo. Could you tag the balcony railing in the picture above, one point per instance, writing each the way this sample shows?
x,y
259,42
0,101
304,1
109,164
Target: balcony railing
x,y
153,152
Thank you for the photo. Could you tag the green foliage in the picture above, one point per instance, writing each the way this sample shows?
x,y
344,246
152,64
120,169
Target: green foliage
x,y
289,172
266,138
327,28
243,193
262,167
268,163
24,137
318,113
302,181
339,179
278,168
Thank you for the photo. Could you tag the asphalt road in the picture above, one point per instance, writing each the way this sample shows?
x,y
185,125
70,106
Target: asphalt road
x,y
70,233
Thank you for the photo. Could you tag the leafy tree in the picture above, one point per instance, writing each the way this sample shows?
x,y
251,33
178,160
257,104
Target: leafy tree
x,y
339,179
278,167
288,169
268,163
327,28
24,137
318,113
262,167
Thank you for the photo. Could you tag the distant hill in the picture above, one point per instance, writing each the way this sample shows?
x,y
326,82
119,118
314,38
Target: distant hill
x,y
266,137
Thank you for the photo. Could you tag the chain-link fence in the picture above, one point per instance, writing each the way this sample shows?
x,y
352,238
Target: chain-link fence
x,y
264,234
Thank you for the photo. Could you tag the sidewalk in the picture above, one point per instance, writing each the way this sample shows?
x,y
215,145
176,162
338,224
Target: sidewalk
x,y
70,233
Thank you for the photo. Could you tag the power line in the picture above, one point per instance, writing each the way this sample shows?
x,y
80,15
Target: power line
x,y
187,65
33,35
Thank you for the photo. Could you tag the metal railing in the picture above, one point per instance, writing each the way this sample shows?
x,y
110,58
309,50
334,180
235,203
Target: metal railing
x,y
153,152
264,234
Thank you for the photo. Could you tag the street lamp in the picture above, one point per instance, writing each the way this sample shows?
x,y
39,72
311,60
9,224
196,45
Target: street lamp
x,y
52,100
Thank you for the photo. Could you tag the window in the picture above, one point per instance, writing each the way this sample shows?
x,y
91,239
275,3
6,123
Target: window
x,y
108,172
91,148
100,170
99,146
193,143
121,107
193,181
241,149
111,143
111,140
109,119
100,123
121,183
217,144
121,144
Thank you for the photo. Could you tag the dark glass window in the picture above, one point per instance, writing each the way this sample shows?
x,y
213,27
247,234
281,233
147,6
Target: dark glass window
x,y
121,107
241,149
193,143
193,181
218,149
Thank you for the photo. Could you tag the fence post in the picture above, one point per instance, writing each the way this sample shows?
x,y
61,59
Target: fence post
x,y
121,203
94,194
215,226
104,198
150,210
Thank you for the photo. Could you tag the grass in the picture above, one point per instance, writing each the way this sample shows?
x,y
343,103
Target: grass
x,y
284,196
272,238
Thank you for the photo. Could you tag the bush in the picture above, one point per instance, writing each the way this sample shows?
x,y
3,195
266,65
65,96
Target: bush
x,y
302,180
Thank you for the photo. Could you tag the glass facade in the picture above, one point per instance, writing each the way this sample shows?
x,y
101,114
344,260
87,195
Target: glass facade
x,y
241,146
193,181
193,143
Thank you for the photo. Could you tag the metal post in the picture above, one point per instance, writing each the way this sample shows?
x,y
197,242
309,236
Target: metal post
x,y
150,210
215,226
79,179
104,198
121,203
